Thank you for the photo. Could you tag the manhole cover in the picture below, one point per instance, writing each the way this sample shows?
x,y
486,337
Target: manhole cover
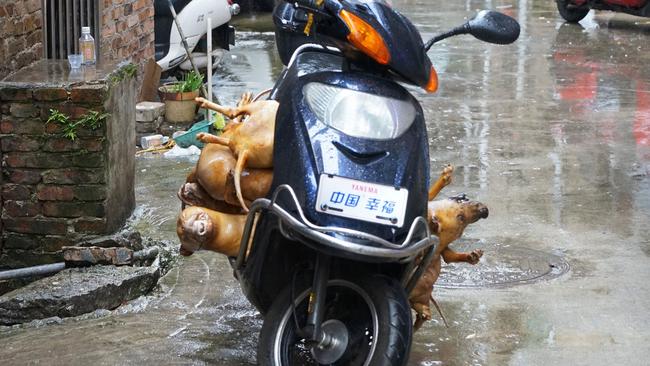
x,y
501,266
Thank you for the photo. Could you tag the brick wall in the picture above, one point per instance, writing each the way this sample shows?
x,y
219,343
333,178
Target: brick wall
x,y
21,41
127,30
56,191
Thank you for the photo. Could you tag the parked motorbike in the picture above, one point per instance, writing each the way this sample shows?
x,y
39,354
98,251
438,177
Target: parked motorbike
x,y
575,10
192,17
330,257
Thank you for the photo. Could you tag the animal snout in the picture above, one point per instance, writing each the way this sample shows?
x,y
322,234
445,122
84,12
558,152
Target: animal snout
x,y
483,212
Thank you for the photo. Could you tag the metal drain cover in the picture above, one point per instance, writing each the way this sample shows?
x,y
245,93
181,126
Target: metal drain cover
x,y
501,266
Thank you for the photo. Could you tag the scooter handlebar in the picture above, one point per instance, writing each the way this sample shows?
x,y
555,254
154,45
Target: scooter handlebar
x,y
320,6
312,4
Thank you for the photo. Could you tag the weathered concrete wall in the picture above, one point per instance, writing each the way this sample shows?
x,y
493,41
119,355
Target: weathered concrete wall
x,y
21,30
127,31
56,191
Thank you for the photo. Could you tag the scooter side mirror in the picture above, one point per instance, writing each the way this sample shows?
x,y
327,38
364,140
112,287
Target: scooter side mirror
x,y
493,27
487,25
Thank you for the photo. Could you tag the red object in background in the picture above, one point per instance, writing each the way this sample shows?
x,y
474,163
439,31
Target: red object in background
x,y
641,128
575,10
630,3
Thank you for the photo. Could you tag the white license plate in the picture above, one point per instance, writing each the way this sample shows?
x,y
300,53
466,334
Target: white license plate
x,y
361,200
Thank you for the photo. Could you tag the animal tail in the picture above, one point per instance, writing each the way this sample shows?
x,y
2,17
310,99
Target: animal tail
x,y
239,168
435,303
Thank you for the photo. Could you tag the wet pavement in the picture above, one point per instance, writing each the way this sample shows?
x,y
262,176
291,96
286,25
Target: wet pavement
x,y
552,133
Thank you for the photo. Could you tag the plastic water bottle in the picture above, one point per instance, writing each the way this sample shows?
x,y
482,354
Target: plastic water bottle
x,y
87,46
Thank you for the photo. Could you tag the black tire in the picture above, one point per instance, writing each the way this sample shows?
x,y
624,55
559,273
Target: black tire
x,y
374,307
571,15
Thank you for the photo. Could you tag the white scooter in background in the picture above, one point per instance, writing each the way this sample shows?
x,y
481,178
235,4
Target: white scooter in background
x,y
192,17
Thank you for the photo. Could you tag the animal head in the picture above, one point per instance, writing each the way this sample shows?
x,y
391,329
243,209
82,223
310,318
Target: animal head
x,y
448,218
193,227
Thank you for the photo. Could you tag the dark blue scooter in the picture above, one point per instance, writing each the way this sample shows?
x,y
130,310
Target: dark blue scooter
x,y
330,257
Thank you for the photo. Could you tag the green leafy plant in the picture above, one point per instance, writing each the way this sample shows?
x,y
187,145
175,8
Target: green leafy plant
x,y
191,81
127,71
92,120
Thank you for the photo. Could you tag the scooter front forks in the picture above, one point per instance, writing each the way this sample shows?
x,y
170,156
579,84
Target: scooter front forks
x,y
317,295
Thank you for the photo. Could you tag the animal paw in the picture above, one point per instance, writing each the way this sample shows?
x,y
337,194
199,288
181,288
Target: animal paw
x,y
202,136
422,315
202,102
446,174
474,256
246,98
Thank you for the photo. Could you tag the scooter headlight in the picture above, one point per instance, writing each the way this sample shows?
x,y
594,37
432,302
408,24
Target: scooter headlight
x,y
359,114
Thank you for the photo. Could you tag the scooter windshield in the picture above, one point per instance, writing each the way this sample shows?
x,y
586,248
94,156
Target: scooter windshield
x,y
405,54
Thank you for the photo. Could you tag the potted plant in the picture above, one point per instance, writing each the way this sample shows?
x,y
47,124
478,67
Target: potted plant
x,y
179,98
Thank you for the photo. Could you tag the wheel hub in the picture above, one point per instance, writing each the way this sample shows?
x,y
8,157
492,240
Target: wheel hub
x,y
333,343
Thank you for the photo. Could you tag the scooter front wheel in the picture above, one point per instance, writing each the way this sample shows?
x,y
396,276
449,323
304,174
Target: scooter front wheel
x,y
370,323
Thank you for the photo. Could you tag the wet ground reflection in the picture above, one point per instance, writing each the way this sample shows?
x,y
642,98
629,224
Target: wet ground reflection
x,y
552,133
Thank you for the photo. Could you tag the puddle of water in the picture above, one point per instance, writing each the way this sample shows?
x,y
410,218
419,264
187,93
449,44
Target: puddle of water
x,y
502,265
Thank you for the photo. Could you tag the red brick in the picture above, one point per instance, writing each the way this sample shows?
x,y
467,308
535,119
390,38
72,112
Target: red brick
x,y
6,126
89,192
21,208
36,225
139,4
16,44
74,176
16,192
21,176
73,209
55,193
30,23
37,160
20,241
60,144
92,144
19,143
35,37
83,132
63,144
50,94
28,127
53,128
53,243
24,110
69,109
15,94
142,17
120,27
92,94
108,30
90,225
33,5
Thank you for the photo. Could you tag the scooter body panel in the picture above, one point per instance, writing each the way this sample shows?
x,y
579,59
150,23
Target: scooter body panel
x,y
193,19
305,148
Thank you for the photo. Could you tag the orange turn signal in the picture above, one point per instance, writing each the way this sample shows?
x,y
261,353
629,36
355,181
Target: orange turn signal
x,y
432,85
364,37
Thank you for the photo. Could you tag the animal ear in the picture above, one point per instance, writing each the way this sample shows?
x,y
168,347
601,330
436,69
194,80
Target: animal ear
x,y
434,225
461,218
